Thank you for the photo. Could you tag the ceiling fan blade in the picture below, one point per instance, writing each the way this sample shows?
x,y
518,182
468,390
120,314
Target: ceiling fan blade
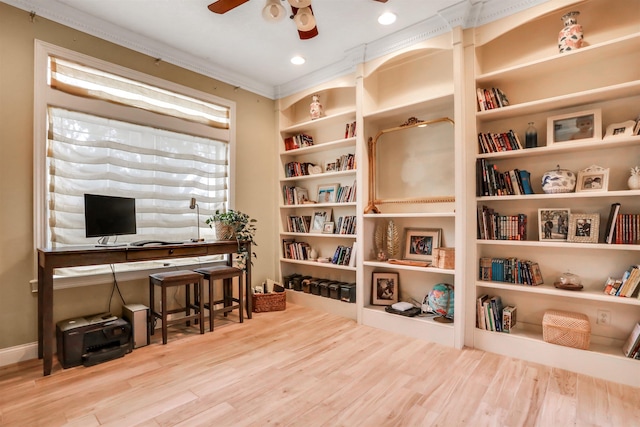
x,y
224,6
382,1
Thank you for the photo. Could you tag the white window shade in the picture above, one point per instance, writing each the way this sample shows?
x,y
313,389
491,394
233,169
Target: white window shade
x,y
161,169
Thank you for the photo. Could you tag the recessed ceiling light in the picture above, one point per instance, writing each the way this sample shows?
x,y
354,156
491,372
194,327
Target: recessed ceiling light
x,y
387,18
297,60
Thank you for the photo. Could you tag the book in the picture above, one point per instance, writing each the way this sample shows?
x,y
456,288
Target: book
x,y
480,311
629,286
496,310
525,179
488,316
611,223
508,318
632,341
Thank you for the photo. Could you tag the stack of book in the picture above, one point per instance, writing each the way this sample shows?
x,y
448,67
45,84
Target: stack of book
x,y
298,224
493,226
346,194
292,169
488,99
346,225
350,130
295,195
296,250
492,316
298,141
510,270
343,255
491,182
495,142
628,286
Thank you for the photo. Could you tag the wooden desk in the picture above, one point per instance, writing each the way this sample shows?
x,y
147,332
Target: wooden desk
x,y
50,259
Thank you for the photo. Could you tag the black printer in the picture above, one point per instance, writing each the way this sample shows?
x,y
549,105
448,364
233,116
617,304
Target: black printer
x,y
93,339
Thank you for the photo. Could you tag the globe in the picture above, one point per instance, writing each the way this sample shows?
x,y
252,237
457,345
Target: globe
x,y
441,300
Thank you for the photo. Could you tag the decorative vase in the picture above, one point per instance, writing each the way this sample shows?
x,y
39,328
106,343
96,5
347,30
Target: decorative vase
x,y
558,181
570,37
315,109
634,180
531,136
314,254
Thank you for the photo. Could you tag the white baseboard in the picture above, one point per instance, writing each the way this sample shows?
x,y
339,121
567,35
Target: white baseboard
x,y
19,353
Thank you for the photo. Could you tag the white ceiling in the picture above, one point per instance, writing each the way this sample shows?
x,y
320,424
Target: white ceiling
x,y
242,49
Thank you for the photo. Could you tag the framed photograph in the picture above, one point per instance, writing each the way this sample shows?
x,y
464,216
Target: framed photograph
x,y
328,227
620,129
327,193
419,243
593,178
384,289
583,126
553,224
330,167
320,216
584,228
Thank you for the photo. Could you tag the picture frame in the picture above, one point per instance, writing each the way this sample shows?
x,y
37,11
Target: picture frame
x,y
328,227
593,178
319,217
419,243
327,193
330,166
583,126
584,228
384,288
620,129
553,224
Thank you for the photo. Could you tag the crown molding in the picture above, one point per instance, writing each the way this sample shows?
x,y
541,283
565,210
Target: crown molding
x,y
467,14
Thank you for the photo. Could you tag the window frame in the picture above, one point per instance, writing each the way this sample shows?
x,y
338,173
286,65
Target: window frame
x,y
45,96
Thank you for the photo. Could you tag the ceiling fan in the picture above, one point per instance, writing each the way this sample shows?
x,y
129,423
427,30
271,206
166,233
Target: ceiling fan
x,y
301,13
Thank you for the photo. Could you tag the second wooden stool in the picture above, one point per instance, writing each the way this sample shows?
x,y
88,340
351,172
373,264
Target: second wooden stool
x,y
169,279
226,274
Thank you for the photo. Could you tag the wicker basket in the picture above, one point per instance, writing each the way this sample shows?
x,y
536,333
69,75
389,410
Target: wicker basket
x,y
444,258
566,328
274,301
224,232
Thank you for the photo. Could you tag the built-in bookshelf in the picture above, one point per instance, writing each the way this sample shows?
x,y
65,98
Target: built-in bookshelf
x,y
398,88
317,179
543,89
496,217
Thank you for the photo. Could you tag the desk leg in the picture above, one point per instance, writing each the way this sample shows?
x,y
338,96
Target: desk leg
x,y
45,318
247,293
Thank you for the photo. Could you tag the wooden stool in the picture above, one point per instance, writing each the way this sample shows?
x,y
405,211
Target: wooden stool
x,y
226,274
177,278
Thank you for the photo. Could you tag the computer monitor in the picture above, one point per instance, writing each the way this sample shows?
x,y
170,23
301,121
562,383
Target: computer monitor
x,y
106,216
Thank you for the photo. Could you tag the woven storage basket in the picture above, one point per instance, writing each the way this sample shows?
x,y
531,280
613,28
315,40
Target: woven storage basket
x,y
274,301
224,232
444,258
566,328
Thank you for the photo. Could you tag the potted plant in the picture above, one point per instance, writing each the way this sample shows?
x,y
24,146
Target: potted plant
x,y
232,224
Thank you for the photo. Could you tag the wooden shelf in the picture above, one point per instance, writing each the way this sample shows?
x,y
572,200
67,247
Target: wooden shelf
x,y
319,147
551,290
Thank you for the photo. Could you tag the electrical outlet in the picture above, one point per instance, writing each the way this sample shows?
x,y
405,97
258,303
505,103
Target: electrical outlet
x,y
604,317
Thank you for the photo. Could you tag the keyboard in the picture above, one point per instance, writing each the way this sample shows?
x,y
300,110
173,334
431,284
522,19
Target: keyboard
x,y
153,242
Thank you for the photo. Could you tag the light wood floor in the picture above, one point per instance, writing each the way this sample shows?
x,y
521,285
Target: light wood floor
x,y
306,368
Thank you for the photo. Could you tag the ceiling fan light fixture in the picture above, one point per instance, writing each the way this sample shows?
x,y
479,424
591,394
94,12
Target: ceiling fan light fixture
x,y
387,18
298,60
304,19
273,11
300,3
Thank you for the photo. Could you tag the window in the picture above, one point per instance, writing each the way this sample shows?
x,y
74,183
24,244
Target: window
x,y
108,130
